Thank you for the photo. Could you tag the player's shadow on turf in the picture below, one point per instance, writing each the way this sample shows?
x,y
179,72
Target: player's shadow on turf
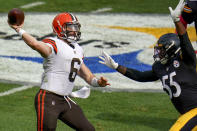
x,y
158,123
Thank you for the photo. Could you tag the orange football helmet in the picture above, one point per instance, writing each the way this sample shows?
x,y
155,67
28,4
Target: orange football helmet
x,y
66,26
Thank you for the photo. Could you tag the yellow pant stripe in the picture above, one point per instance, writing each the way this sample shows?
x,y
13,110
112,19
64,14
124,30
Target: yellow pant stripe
x,y
183,119
195,128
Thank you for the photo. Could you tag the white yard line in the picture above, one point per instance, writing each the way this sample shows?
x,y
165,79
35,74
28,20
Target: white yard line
x,y
16,90
32,4
101,10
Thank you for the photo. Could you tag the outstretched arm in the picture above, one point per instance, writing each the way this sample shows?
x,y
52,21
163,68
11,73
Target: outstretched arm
x,y
146,76
133,74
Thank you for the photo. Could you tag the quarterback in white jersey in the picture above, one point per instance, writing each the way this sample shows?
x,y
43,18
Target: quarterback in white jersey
x,y
60,68
63,60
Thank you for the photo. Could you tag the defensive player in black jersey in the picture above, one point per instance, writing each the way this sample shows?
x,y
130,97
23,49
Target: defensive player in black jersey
x,y
175,66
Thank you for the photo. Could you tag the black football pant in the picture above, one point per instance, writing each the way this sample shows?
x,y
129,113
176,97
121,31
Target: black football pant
x,y
50,107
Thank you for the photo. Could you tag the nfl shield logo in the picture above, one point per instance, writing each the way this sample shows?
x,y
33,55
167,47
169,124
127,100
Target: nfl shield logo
x,y
176,64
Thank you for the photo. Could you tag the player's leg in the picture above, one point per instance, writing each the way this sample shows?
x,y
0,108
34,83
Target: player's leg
x,y
75,118
46,110
186,122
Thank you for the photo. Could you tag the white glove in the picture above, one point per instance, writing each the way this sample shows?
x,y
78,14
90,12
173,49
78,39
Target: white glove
x,y
177,11
108,61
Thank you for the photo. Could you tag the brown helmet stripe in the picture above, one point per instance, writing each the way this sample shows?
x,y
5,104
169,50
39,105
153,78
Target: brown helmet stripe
x,y
73,17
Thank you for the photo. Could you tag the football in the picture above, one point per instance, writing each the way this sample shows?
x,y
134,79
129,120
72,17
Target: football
x,y
16,16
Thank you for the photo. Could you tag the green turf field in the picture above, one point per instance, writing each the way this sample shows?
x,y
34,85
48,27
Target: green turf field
x,y
134,6
109,111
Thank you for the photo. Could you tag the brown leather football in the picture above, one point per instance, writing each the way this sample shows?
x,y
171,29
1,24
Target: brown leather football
x,y
16,16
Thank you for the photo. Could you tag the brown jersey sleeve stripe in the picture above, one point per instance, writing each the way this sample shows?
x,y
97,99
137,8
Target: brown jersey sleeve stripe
x,y
51,42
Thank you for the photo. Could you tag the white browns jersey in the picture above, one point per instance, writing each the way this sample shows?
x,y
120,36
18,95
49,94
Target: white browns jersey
x,y
61,66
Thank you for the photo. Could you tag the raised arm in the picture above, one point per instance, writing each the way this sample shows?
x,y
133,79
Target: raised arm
x,y
175,14
188,52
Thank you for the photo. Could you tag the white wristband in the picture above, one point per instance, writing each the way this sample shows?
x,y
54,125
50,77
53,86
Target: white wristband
x,y
94,82
21,32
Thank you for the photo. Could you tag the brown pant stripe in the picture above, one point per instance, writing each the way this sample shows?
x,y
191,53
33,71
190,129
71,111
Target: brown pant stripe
x,y
39,110
42,110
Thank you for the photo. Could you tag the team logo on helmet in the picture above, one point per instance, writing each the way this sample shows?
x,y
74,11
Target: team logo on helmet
x,y
176,63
